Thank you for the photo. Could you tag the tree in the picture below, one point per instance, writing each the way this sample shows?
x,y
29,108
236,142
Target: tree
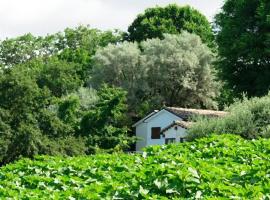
x,y
176,71
22,49
60,76
73,107
5,133
180,71
120,65
76,45
154,22
80,44
104,125
20,94
44,95
243,38
28,125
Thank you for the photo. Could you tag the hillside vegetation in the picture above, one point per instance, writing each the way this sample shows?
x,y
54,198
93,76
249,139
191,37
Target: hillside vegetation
x,y
78,92
224,166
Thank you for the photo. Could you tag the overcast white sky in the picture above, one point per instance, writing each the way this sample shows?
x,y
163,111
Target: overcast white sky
x,y
40,17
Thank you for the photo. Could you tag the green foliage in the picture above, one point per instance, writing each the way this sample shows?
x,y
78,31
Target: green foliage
x,y
69,109
248,118
243,38
5,132
154,22
66,146
108,110
23,48
51,125
120,65
85,38
72,45
27,141
27,124
219,167
80,44
104,124
60,77
33,121
88,97
179,70
176,71
44,95
21,95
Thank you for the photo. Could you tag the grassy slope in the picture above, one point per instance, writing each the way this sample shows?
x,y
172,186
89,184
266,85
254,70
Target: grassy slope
x,y
220,166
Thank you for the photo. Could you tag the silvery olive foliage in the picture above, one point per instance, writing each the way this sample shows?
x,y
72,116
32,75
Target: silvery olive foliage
x,y
175,71
248,118
121,65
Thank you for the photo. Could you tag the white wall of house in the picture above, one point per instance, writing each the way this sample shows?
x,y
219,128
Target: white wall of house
x,y
176,132
161,119
141,133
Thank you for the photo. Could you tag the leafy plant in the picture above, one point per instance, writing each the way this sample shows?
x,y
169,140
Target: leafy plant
x,y
218,167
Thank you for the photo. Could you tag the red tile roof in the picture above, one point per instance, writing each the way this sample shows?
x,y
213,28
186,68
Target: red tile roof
x,y
186,113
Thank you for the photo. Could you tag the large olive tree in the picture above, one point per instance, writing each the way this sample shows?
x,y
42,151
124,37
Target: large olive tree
x,y
180,70
176,71
121,65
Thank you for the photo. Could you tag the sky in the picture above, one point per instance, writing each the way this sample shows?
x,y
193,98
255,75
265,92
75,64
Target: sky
x,y
41,17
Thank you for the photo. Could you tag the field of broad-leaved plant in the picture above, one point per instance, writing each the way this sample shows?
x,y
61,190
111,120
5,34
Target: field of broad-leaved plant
x,y
218,167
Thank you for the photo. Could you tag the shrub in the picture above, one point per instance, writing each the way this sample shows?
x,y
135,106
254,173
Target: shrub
x,y
249,118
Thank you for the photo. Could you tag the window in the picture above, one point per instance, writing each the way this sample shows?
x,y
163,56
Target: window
x,y
182,140
155,133
169,140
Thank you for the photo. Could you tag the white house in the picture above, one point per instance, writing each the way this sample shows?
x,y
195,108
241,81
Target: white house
x,y
167,125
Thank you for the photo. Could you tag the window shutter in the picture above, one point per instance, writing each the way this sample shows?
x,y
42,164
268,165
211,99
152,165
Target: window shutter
x,y
155,133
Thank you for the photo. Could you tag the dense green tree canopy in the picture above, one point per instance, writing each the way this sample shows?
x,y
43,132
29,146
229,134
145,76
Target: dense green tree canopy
x,y
104,124
23,48
60,76
44,96
30,123
243,38
43,118
73,45
154,22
